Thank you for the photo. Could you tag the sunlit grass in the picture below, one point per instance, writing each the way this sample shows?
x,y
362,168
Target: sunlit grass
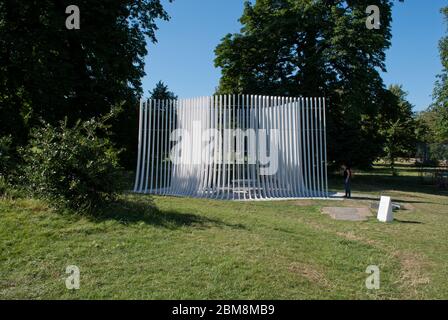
x,y
203,249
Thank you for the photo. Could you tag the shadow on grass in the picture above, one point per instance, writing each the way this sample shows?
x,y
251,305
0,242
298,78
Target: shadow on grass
x,y
143,210
408,222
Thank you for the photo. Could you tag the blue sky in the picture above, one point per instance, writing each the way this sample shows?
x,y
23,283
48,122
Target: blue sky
x,y
183,57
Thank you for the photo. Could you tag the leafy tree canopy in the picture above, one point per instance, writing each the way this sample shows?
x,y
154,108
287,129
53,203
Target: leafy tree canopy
x,y
440,106
315,48
49,72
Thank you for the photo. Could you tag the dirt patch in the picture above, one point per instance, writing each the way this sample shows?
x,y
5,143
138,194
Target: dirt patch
x,y
305,203
309,272
412,272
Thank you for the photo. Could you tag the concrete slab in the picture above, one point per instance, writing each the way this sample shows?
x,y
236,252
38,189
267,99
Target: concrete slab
x,y
348,213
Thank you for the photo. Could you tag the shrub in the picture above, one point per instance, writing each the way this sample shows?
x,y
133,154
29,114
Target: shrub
x,y
72,167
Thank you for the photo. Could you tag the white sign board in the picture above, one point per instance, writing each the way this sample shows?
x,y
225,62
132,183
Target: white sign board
x,y
385,213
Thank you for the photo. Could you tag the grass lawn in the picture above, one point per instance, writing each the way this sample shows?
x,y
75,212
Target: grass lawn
x,y
202,249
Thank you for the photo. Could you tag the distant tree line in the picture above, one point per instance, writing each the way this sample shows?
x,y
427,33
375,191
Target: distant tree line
x,y
323,48
433,123
285,47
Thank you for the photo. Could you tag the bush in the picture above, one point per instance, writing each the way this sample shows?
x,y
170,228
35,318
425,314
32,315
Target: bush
x,y
72,167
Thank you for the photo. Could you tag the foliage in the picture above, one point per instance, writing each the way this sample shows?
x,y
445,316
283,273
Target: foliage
x,y
7,165
73,167
398,126
161,92
51,73
440,106
315,48
5,155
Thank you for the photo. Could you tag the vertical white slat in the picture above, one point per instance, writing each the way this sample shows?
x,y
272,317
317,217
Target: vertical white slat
x,y
211,126
157,135
162,144
249,165
184,151
175,144
290,147
252,166
165,145
151,156
313,175
197,167
316,139
264,112
187,176
233,144
283,150
221,146
266,127
140,124
193,171
148,156
219,101
243,127
260,189
170,129
277,139
316,134
295,142
299,122
145,137
229,145
304,146
224,155
280,173
238,144
268,117
180,166
325,150
310,182
204,116
197,151
321,164
204,147
215,100
256,117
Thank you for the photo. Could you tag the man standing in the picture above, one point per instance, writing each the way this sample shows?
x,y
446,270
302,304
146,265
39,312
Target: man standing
x,y
347,181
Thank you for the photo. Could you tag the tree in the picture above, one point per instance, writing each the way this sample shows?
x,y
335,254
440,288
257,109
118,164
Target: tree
x,y
398,125
49,72
440,106
314,48
161,92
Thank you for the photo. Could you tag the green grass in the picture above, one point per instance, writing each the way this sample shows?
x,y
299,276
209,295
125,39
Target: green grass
x,y
201,249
